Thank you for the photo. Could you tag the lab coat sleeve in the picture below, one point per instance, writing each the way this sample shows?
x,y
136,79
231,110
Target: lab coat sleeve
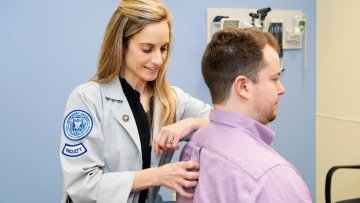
x,y
188,106
84,178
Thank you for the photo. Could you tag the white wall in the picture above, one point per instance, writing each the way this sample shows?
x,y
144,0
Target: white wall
x,y
338,96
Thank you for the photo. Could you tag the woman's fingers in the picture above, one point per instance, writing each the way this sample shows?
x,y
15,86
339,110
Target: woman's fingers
x,y
187,192
167,139
181,177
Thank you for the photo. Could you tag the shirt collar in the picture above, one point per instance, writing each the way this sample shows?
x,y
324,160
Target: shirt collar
x,y
128,90
253,127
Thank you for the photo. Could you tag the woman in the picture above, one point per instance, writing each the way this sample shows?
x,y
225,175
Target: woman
x,y
112,122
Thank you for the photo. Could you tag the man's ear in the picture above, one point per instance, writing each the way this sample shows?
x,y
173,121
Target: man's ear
x,y
242,86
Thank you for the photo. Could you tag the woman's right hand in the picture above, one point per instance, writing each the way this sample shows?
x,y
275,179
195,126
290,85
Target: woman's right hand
x,y
179,175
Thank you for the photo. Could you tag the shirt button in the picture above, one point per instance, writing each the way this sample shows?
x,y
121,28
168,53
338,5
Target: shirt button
x,y
126,118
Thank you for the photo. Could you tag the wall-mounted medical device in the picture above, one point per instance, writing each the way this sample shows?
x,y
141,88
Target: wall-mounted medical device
x,y
222,22
295,33
262,14
276,29
288,26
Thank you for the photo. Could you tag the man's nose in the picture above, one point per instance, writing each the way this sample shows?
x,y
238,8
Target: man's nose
x,y
281,89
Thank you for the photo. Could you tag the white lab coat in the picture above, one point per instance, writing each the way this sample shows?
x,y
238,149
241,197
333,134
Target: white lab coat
x,y
111,152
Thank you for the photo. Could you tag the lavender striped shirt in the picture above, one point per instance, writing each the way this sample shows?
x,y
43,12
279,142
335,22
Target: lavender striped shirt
x,y
237,164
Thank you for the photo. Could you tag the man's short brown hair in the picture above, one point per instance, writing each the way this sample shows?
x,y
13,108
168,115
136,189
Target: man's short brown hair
x,y
230,53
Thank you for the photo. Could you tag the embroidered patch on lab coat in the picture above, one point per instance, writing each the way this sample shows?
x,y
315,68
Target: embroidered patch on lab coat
x,y
77,125
74,150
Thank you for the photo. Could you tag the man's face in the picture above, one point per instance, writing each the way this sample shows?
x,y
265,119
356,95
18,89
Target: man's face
x,y
268,88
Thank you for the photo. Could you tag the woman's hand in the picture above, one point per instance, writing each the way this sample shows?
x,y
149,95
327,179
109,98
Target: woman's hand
x,y
180,175
169,136
177,176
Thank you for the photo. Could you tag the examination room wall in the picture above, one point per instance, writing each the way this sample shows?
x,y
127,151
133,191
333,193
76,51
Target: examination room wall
x,y
49,47
338,97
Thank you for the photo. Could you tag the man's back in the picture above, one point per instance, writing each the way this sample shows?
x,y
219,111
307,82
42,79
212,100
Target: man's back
x,y
237,163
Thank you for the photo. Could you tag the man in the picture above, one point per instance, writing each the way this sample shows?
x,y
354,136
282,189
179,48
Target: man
x,y
242,69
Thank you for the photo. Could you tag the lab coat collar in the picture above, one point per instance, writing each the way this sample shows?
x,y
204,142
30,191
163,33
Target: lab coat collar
x,y
114,90
122,114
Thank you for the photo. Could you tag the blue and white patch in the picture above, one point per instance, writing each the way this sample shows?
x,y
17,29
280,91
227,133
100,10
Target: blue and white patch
x,y
77,125
74,150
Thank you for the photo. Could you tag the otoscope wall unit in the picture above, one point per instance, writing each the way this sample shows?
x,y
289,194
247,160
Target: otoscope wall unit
x,y
288,26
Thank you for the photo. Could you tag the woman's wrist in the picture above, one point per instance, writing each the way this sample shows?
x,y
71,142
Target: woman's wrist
x,y
146,178
198,123
195,124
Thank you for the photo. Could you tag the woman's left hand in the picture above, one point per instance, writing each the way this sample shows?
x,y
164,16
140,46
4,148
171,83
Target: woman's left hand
x,y
170,136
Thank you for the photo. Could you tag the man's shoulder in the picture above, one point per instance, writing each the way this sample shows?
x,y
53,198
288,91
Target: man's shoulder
x,y
234,148
206,134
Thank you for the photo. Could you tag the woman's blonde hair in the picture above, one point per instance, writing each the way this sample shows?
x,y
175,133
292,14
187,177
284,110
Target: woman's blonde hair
x,y
128,20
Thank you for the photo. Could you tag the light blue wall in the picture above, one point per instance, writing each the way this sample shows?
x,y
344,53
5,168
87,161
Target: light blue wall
x,y
49,47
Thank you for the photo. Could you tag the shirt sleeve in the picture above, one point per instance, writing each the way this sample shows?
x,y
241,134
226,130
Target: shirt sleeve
x,y
189,152
281,184
218,181
82,154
